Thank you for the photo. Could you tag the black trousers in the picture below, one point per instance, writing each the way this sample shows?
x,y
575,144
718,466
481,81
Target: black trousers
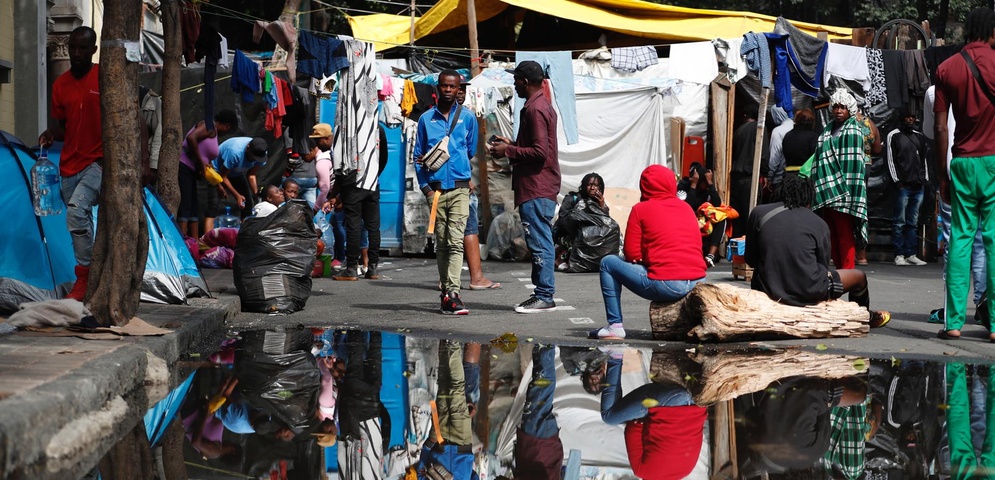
x,y
361,206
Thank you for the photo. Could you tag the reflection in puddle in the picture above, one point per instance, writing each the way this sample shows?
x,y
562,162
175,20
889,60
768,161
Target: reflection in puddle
x,y
309,404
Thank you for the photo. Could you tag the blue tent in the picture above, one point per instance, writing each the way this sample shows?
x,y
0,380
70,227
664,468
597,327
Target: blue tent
x,y
171,274
36,253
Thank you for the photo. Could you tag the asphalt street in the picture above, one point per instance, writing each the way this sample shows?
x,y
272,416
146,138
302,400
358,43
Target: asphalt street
x,y
405,300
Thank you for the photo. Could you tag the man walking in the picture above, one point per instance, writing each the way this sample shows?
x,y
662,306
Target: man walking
x,y
965,83
535,178
448,187
76,108
908,150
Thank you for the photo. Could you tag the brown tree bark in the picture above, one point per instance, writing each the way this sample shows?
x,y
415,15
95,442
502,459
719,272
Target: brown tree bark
x,y
172,452
172,123
131,457
122,241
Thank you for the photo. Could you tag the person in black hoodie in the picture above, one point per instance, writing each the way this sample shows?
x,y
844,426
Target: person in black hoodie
x,y
696,189
908,152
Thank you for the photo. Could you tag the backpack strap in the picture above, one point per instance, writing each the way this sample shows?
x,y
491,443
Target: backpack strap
x,y
769,215
977,76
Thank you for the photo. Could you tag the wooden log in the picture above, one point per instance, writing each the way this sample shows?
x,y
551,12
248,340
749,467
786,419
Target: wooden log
x,y
720,376
725,312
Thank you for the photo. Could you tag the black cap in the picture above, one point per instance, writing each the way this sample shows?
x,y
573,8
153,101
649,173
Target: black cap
x,y
528,70
257,149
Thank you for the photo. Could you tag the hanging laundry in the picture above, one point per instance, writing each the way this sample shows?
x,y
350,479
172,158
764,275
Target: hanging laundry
x,y
692,59
937,55
356,135
756,53
807,55
559,69
244,76
849,63
384,87
223,61
634,59
781,65
894,74
729,52
208,47
276,109
299,117
916,73
285,36
424,99
190,27
320,56
877,94
269,92
408,98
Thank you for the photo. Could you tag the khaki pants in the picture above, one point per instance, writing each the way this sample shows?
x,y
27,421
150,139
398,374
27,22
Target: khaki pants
x,y
450,223
454,416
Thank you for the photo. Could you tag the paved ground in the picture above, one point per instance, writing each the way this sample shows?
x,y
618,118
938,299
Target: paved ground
x,y
406,300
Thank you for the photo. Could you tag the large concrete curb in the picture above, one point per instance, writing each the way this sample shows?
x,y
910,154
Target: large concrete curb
x,y
61,428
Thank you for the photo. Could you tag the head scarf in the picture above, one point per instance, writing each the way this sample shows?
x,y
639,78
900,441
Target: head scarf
x,y
778,115
845,98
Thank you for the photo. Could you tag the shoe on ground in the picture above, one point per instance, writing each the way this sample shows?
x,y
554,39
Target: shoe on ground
x,y
350,274
612,331
453,305
535,305
914,260
371,272
901,261
616,352
362,270
78,291
710,260
880,318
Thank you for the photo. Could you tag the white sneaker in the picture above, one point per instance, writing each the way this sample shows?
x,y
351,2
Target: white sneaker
x,y
613,331
902,261
914,260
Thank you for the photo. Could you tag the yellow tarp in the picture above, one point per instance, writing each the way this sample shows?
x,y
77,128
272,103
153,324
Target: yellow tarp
x,y
633,17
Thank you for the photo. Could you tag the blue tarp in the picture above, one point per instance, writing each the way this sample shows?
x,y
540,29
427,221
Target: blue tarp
x,y
36,254
158,418
171,274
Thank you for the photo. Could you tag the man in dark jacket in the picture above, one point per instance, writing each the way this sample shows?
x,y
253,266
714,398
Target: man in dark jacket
x,y
788,247
908,152
360,410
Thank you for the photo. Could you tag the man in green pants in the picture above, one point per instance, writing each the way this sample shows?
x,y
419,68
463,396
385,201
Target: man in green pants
x,y
966,83
968,460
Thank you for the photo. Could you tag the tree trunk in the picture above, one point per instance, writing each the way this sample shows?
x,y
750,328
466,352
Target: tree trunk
x,y
131,457
941,19
172,123
172,451
725,312
122,241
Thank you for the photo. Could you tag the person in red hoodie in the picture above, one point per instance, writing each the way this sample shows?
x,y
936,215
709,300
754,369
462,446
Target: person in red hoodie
x,y
663,426
662,250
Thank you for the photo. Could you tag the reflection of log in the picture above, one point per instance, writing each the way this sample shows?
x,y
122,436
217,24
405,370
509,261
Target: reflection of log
x,y
727,375
725,312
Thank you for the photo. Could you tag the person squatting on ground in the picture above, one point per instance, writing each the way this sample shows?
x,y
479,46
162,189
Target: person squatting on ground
x,y
449,186
788,247
574,240
908,152
838,173
535,178
77,112
238,163
199,149
970,185
696,189
662,250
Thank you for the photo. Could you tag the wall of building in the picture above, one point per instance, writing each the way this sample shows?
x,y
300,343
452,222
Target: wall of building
x,y
7,97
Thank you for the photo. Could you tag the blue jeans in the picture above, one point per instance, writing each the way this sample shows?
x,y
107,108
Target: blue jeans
x,y
616,410
537,418
979,267
537,222
80,192
616,272
905,220
309,190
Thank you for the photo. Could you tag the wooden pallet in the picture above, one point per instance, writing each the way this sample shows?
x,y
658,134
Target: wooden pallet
x,y
742,270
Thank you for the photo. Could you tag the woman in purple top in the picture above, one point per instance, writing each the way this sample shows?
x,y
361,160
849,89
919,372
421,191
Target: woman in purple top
x,y
199,148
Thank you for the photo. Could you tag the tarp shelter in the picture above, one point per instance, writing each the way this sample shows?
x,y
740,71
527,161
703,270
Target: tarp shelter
x,y
632,17
36,253
171,273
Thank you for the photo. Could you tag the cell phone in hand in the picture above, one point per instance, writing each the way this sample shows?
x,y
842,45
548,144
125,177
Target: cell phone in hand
x,y
493,139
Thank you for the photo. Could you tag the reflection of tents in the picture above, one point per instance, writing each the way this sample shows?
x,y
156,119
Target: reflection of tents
x,y
171,274
36,255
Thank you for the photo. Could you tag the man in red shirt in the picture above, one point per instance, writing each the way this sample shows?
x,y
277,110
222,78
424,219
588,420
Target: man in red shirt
x,y
971,181
76,107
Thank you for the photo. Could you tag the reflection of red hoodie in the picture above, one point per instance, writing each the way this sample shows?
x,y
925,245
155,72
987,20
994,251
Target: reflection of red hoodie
x,y
662,232
665,444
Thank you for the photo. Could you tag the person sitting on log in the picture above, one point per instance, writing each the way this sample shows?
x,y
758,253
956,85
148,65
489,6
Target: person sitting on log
x,y
662,248
788,247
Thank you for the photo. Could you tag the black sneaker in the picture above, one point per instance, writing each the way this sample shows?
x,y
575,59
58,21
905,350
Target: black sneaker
x,y
452,305
534,305
350,274
371,272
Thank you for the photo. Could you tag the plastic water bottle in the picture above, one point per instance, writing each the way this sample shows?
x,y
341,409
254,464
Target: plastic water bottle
x,y
327,234
228,220
46,190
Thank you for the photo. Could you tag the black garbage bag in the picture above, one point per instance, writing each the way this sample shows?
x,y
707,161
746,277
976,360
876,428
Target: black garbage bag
x,y
279,377
596,236
273,259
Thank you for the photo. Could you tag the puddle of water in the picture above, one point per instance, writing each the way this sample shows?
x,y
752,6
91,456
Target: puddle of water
x,y
351,404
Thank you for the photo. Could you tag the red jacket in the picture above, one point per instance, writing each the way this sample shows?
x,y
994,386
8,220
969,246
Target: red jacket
x,y
662,232
665,444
